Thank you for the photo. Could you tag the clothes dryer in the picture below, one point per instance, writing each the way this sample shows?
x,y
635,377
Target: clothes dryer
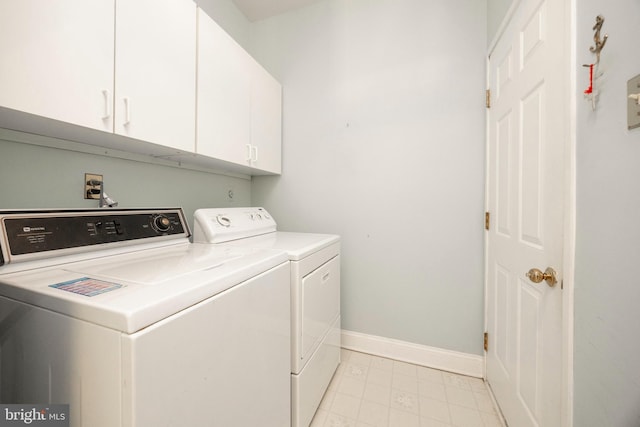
x,y
315,294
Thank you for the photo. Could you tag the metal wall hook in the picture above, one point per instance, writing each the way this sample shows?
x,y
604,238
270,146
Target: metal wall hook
x,y
596,38
591,94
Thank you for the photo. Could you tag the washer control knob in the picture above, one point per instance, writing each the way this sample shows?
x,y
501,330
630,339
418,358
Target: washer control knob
x,y
161,223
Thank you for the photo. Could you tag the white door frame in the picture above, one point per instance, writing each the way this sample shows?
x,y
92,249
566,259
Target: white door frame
x,y
569,229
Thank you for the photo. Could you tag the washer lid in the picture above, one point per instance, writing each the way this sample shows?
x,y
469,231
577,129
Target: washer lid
x,y
154,269
129,292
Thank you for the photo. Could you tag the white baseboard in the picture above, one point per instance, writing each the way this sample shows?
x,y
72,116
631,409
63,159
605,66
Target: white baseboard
x,y
432,357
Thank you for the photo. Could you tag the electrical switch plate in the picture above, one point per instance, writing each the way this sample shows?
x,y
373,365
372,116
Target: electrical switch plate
x,y
633,105
92,186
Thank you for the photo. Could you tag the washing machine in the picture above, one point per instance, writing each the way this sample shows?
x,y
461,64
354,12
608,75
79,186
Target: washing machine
x,y
315,294
115,313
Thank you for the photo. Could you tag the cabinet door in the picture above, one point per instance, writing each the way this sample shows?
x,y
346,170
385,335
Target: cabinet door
x,y
266,120
57,59
224,85
155,71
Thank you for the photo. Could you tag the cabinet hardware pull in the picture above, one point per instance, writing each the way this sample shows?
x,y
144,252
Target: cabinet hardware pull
x,y
127,111
248,156
107,104
255,152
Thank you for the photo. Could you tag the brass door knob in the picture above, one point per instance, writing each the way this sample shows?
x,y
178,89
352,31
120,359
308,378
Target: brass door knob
x,y
537,276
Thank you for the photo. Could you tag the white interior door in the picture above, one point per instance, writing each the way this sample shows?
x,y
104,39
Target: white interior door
x,y
528,124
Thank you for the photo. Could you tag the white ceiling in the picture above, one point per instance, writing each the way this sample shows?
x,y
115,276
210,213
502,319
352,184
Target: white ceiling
x,y
256,10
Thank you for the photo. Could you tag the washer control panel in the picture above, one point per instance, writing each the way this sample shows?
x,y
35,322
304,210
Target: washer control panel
x,y
40,234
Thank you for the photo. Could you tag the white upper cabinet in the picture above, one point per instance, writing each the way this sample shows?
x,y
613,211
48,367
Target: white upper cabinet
x,y
239,103
266,120
57,59
155,71
224,95
161,73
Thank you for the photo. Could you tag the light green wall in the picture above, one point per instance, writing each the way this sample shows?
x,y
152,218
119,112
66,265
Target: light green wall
x,y
33,176
228,16
496,11
384,144
607,291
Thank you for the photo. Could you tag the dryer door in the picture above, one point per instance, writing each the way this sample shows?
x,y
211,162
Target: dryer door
x,y
320,304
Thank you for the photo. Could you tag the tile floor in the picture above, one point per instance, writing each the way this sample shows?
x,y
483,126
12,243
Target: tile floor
x,y
371,391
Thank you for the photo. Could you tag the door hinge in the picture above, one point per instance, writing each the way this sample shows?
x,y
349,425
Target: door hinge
x,y
488,98
486,341
487,220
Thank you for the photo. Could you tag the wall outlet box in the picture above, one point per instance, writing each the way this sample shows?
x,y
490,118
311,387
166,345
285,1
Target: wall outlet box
x,y
633,102
92,186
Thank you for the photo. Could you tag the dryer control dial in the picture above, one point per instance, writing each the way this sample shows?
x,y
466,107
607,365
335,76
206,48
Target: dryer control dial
x,y
223,220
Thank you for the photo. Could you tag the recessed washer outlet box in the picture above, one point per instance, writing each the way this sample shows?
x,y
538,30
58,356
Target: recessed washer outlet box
x,y
92,186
